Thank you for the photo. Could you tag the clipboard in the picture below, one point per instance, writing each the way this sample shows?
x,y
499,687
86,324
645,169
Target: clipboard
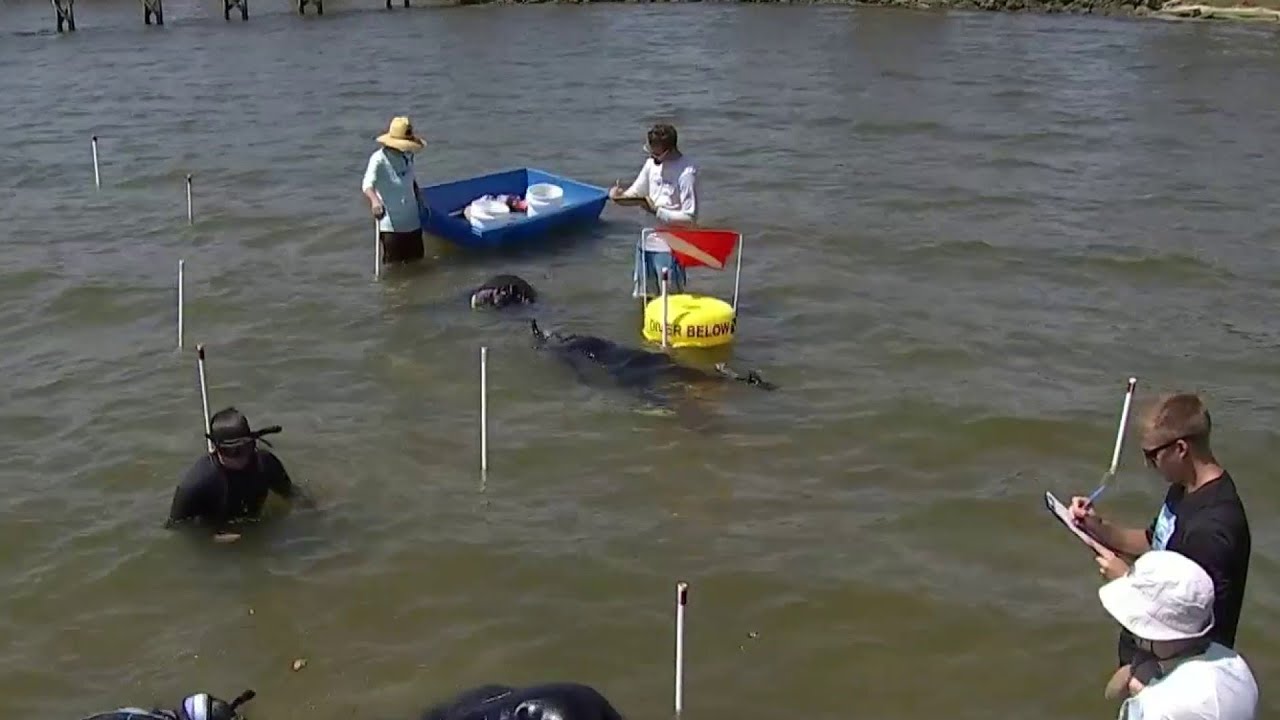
x,y
1063,515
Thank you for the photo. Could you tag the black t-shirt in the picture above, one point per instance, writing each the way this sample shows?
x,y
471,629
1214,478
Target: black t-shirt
x,y
1210,527
215,495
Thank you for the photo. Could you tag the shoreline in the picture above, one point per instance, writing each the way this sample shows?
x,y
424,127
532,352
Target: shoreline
x,y
1247,11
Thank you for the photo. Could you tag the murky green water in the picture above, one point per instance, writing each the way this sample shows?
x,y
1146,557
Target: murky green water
x,y
963,232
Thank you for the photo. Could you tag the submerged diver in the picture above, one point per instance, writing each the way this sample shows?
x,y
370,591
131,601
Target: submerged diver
x,y
634,366
548,701
230,484
200,706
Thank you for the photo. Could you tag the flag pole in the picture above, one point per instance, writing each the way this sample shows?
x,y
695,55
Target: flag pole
x,y
665,272
737,275
639,275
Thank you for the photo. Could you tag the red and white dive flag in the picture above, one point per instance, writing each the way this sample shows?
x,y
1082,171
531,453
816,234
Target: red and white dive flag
x,y
694,247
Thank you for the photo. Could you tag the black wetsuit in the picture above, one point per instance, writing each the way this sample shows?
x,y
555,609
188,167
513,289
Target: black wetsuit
x,y
217,496
135,714
550,701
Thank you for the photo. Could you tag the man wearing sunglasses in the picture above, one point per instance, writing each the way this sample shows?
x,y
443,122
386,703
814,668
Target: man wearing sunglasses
x,y
1202,516
667,187
230,485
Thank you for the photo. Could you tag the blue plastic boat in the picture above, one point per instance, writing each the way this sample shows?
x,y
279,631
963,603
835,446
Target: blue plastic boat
x,y
442,216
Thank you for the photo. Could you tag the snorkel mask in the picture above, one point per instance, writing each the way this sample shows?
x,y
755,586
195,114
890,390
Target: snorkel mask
x,y
203,706
232,436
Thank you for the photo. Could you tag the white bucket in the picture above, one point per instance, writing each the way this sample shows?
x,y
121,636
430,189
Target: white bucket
x,y
485,214
543,197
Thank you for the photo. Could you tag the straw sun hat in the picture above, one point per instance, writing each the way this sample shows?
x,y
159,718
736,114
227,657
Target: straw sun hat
x,y
400,136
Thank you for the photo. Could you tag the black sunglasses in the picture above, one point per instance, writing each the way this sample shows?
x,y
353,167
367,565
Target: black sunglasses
x,y
1154,452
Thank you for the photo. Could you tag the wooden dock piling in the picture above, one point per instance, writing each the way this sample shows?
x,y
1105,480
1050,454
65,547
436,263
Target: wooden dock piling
x,y
66,10
228,5
153,8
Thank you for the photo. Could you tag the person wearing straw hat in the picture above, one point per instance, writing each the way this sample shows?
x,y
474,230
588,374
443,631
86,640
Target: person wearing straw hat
x,y
1179,672
230,485
1202,516
667,187
394,196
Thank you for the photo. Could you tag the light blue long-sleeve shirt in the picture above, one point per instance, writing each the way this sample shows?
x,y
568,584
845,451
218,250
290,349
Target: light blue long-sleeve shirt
x,y
390,174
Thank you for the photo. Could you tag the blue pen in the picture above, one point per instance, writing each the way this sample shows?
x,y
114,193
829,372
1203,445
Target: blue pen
x,y
1093,496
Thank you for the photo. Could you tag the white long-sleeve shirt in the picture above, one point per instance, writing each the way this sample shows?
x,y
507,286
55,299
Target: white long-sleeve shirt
x,y
672,187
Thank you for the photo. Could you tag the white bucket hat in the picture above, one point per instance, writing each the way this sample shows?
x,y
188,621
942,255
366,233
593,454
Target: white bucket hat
x,y
1167,596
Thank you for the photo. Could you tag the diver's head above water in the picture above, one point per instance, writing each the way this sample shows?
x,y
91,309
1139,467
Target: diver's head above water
x,y
203,706
235,443
503,290
199,706
545,701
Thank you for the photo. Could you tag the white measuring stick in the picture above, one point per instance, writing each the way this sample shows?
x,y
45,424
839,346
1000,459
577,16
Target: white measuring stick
x,y
191,213
1115,454
377,251
682,599
204,394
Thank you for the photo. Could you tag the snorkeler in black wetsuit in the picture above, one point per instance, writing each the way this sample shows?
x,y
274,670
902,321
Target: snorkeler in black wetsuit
x,y
231,484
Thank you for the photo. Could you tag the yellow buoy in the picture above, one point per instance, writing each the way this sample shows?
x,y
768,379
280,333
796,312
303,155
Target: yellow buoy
x,y
692,321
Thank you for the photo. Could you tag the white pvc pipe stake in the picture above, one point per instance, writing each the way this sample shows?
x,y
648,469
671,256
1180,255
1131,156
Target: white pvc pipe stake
x,y
682,599
664,307
484,409
191,214
204,393
97,177
377,251
181,265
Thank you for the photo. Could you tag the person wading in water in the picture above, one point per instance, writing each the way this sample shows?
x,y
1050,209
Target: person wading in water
x,y
230,485
394,196
667,186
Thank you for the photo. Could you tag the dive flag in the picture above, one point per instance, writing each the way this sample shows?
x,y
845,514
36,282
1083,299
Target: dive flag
x,y
694,247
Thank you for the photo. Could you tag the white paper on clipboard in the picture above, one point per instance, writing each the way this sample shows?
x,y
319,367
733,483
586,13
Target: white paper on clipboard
x,y
1064,516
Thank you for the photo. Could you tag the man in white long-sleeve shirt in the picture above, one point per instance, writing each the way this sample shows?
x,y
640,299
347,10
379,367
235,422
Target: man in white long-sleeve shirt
x,y
667,186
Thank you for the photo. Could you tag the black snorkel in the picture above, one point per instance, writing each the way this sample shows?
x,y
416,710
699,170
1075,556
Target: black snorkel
x,y
247,695
203,706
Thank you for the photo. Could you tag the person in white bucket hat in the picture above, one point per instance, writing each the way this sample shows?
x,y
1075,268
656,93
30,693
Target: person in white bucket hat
x,y
1166,601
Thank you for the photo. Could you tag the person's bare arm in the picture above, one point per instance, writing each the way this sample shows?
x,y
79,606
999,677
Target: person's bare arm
x,y
1126,541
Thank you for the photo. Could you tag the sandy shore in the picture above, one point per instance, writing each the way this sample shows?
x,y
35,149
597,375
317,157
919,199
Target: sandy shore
x,y
1268,11
1248,12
